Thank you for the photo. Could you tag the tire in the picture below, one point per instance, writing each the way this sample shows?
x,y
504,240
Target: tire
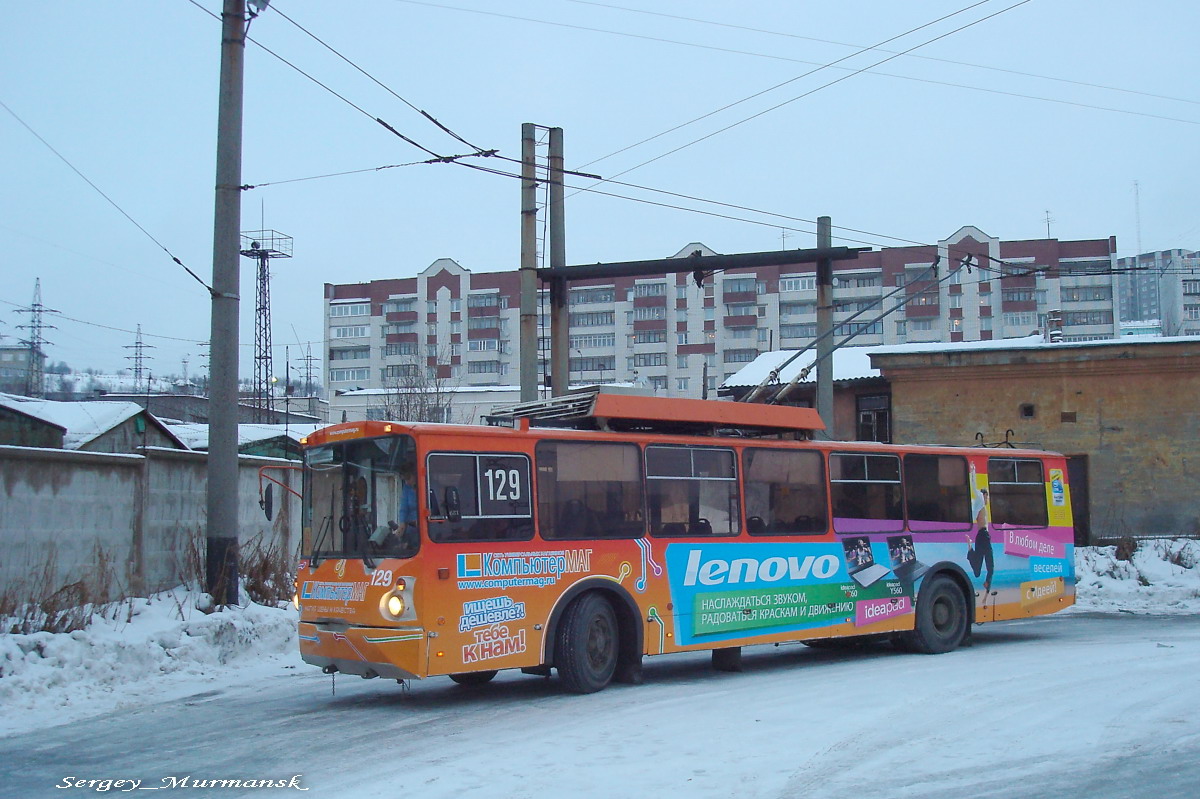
x,y
473,677
586,651
942,618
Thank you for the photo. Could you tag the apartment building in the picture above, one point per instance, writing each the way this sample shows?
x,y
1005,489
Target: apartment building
x,y
682,339
1161,287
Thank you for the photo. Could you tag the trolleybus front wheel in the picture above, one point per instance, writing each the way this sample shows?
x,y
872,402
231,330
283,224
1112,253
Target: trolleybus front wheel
x,y
586,652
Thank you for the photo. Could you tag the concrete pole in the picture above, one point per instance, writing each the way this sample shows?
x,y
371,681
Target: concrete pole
x,y
825,328
221,554
560,339
528,270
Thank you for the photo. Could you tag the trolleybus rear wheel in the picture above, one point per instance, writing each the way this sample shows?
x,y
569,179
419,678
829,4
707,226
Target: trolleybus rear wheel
x,y
942,620
586,653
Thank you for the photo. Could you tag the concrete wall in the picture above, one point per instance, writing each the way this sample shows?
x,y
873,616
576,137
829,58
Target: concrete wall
x,y
1130,408
146,513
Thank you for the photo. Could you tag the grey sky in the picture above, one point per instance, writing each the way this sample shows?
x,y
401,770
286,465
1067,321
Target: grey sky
x,y
126,91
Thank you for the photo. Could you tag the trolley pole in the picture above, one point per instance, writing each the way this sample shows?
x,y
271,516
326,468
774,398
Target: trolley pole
x,y
221,553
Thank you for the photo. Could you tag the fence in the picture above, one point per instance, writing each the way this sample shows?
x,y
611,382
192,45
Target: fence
x,y
142,515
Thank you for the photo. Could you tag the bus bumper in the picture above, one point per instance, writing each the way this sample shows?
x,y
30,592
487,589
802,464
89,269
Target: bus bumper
x,y
398,654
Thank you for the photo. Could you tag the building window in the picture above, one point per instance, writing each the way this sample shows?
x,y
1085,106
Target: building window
x,y
356,354
740,356
798,308
681,361
1020,319
349,375
1191,287
483,322
920,324
808,330
593,363
357,331
485,368
858,328
404,348
1191,312
658,383
650,290
482,345
681,384
592,319
650,337
874,418
648,359
1101,317
798,284
681,338
1017,295
592,340
740,285
588,296
400,306
399,370
356,309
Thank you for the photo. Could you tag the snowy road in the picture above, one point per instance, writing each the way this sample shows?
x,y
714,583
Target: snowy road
x,y
1084,704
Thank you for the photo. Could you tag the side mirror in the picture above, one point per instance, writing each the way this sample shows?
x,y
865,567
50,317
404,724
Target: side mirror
x,y
453,510
267,502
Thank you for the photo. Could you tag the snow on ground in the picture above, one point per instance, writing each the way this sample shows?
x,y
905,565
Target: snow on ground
x,y
146,650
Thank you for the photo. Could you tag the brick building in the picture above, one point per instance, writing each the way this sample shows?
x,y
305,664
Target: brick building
x,y
1125,413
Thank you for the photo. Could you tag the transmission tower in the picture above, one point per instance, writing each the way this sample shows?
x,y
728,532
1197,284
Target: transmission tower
x,y
35,373
262,246
309,369
139,359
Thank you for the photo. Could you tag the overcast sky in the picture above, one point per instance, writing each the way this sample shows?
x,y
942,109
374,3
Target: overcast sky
x,y
1055,106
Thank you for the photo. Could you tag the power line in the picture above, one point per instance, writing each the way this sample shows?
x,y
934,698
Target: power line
x,y
426,114
823,86
920,57
785,83
111,202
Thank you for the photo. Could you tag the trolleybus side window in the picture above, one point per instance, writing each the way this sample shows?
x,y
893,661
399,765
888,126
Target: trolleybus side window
x,y
1018,492
589,490
691,491
866,493
479,497
938,496
785,492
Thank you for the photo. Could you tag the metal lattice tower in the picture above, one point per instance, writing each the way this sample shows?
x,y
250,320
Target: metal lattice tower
x,y
138,358
262,246
309,370
35,374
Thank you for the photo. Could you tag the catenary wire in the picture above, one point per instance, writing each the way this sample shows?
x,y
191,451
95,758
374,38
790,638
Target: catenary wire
x,y
110,200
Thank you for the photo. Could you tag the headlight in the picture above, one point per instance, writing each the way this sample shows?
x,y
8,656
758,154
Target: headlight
x,y
296,600
395,605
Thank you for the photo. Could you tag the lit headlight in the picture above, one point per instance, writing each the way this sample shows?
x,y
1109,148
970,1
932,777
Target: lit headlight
x,y
296,600
395,605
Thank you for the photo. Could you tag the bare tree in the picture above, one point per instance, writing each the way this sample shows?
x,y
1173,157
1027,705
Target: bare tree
x,y
417,391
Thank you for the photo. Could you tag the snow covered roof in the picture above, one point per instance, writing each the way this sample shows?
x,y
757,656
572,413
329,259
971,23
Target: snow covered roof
x,y
853,363
82,421
195,436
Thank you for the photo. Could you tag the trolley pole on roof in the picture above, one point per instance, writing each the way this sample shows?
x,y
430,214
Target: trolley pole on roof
x,y
825,327
528,270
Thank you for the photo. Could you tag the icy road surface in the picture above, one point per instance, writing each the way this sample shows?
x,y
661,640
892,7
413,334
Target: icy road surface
x,y
1079,704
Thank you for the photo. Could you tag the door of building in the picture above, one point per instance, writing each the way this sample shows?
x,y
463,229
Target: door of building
x,y
1077,478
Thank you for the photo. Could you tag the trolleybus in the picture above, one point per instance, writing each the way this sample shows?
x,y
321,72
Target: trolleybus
x,y
581,534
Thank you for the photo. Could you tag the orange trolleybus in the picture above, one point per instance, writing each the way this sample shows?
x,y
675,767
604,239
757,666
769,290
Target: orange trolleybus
x,y
595,529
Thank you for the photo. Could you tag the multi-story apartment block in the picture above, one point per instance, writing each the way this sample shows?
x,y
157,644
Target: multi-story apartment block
x,y
1162,286
676,337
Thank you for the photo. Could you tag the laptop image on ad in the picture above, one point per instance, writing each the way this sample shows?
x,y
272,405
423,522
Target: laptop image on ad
x,y
904,558
861,563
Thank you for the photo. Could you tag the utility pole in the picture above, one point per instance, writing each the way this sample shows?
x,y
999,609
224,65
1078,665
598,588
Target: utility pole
x,y
528,271
560,339
139,359
221,554
825,328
